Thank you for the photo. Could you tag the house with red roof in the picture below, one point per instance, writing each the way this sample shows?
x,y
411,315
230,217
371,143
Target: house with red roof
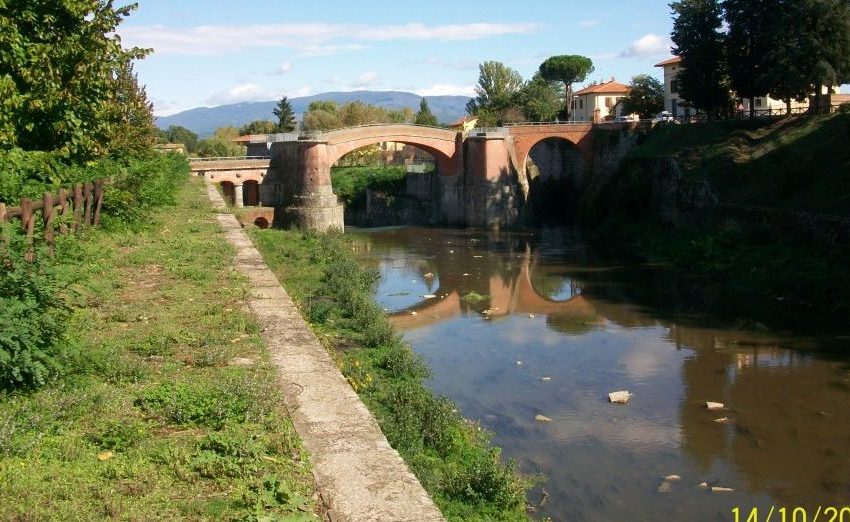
x,y
598,102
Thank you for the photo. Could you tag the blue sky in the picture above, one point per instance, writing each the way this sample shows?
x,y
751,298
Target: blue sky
x,y
213,52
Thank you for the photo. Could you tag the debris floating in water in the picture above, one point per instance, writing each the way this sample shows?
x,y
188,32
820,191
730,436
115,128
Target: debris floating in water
x,y
672,478
545,379
722,420
531,316
664,487
542,418
519,363
719,489
413,312
429,275
428,296
619,397
714,405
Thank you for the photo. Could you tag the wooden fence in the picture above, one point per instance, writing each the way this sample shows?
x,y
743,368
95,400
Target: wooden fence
x,y
69,209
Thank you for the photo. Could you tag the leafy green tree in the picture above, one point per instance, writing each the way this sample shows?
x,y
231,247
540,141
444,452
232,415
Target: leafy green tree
x,y
258,127
221,144
568,69
131,115
405,115
497,86
747,45
180,134
809,48
321,120
697,38
539,99
425,116
645,96
323,105
59,61
285,115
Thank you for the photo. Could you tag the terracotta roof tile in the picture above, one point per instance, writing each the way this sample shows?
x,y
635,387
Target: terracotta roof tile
x,y
669,61
607,87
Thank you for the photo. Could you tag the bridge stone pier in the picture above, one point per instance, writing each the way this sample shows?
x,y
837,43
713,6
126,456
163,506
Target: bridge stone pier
x,y
480,182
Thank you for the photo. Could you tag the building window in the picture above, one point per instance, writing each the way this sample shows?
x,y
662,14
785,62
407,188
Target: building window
x,y
609,102
674,86
758,102
581,103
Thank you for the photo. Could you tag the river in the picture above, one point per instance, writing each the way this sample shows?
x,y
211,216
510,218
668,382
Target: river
x,y
520,325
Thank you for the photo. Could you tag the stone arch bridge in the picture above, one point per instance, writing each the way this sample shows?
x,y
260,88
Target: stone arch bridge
x,y
479,181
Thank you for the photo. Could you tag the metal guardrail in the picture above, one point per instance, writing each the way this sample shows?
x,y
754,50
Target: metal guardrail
x,y
229,158
306,135
528,123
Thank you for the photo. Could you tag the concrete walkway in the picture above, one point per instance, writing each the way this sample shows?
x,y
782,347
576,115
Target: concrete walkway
x,y
359,476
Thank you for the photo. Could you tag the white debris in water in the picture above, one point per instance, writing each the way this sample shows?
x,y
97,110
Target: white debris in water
x,y
719,489
545,379
429,275
451,251
413,312
519,363
619,397
542,418
531,316
477,257
671,478
703,485
465,274
428,296
723,420
714,405
664,487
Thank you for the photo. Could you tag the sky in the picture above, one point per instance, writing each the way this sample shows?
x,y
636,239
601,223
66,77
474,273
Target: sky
x,y
212,52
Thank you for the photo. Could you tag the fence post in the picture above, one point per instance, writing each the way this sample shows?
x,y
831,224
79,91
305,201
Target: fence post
x,y
47,217
87,190
78,205
27,225
98,201
63,211
4,236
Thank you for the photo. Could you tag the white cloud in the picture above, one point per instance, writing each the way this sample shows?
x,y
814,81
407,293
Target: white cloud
x,y
367,79
588,23
241,93
308,38
647,45
460,65
283,68
165,107
446,89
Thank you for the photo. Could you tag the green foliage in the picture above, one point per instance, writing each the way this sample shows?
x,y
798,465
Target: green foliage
x,y
119,435
324,115
698,39
450,456
569,69
285,116
62,73
425,116
258,127
495,93
748,42
220,144
645,96
350,183
33,346
130,114
540,99
180,134
197,404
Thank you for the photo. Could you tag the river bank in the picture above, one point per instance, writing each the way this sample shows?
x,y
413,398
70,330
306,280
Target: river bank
x,y
168,407
449,455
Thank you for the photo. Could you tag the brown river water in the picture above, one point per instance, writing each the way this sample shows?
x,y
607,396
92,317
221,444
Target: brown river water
x,y
516,325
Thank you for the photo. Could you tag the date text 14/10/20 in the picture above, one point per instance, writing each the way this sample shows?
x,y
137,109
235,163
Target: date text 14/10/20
x,y
792,514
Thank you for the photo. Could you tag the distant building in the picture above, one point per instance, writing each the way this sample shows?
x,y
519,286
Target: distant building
x,y
598,102
465,123
170,147
674,104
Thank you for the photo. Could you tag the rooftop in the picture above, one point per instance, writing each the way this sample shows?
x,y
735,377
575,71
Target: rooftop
x,y
606,87
669,61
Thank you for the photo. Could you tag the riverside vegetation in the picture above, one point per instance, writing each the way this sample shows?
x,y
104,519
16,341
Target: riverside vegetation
x,y
450,455
135,386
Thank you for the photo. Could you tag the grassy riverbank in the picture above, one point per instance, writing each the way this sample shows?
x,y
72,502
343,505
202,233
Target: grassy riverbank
x,y
449,455
167,407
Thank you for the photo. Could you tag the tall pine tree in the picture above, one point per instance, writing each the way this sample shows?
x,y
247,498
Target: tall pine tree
x,y
703,79
285,115
425,116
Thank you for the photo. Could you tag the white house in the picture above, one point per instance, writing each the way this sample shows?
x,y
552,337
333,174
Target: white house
x,y
672,99
598,101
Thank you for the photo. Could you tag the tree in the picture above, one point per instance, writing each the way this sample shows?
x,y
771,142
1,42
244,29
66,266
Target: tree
x,y
696,36
809,48
285,116
497,85
258,127
321,120
747,45
405,115
539,99
221,144
568,69
425,116
130,116
59,62
180,134
645,96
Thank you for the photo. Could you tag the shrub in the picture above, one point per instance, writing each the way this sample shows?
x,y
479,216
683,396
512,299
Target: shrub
x,y
33,346
198,403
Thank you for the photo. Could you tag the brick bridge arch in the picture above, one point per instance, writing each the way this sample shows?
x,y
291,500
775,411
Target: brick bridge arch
x,y
526,136
443,144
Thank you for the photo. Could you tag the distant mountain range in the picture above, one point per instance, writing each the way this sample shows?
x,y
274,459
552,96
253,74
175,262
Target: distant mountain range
x,y
204,120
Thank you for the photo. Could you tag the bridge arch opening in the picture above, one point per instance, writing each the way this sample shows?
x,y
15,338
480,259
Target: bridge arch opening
x,y
553,170
386,183
228,189
250,192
